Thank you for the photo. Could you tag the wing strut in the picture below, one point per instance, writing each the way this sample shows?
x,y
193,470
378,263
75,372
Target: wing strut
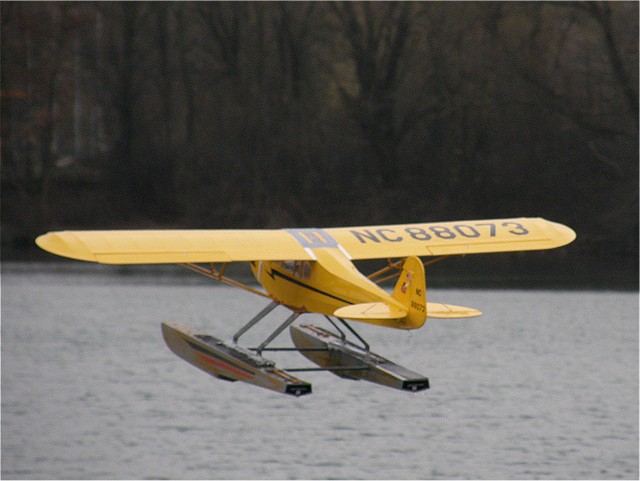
x,y
397,266
218,275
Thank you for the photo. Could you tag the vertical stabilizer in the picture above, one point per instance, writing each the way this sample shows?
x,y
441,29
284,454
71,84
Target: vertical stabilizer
x,y
410,291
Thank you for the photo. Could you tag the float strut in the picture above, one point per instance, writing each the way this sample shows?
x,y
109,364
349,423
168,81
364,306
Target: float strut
x,y
353,331
255,320
275,334
343,336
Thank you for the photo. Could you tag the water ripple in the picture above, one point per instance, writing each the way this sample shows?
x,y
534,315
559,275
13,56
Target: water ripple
x,y
545,385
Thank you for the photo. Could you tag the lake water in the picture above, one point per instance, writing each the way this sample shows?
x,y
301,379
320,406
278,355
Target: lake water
x,y
543,385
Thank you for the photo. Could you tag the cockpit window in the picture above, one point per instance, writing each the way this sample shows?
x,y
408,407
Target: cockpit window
x,y
306,269
287,265
301,269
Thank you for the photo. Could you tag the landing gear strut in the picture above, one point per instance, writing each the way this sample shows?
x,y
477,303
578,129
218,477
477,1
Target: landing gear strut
x,y
331,352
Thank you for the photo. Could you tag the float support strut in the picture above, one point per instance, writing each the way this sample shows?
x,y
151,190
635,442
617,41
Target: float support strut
x,y
275,333
353,331
255,320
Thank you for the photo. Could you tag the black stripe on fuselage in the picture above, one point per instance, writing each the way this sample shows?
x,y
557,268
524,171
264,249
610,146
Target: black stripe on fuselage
x,y
274,273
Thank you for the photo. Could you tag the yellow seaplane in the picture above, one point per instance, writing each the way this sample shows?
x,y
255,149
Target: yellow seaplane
x,y
311,271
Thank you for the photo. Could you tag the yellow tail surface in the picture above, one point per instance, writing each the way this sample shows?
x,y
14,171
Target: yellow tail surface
x,y
409,311
410,291
411,308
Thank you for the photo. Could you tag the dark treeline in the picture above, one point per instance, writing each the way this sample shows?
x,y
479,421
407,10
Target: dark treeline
x,y
243,114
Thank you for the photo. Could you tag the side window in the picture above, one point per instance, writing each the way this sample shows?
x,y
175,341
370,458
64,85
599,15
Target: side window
x,y
306,270
287,265
301,269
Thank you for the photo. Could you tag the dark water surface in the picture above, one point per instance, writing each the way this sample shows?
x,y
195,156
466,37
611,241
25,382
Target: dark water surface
x,y
543,385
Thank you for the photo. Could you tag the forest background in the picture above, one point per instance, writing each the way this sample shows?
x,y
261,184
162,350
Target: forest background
x,y
287,114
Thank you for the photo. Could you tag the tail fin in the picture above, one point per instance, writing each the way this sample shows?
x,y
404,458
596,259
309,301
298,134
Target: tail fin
x,y
409,311
410,291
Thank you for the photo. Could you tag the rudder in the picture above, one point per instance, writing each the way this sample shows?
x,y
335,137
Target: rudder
x,y
410,291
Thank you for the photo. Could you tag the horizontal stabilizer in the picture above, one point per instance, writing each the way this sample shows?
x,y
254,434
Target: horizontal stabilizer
x,y
447,311
370,310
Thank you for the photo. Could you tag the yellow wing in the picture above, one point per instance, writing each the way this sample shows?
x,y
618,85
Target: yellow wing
x,y
193,246
448,238
174,246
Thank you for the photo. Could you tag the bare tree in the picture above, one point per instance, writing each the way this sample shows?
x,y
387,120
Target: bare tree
x,y
37,49
377,36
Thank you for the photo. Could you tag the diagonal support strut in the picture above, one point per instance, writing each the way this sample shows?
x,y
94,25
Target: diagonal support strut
x,y
263,313
353,331
277,332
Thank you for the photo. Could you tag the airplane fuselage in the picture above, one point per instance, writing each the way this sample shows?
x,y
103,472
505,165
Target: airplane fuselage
x,y
322,285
